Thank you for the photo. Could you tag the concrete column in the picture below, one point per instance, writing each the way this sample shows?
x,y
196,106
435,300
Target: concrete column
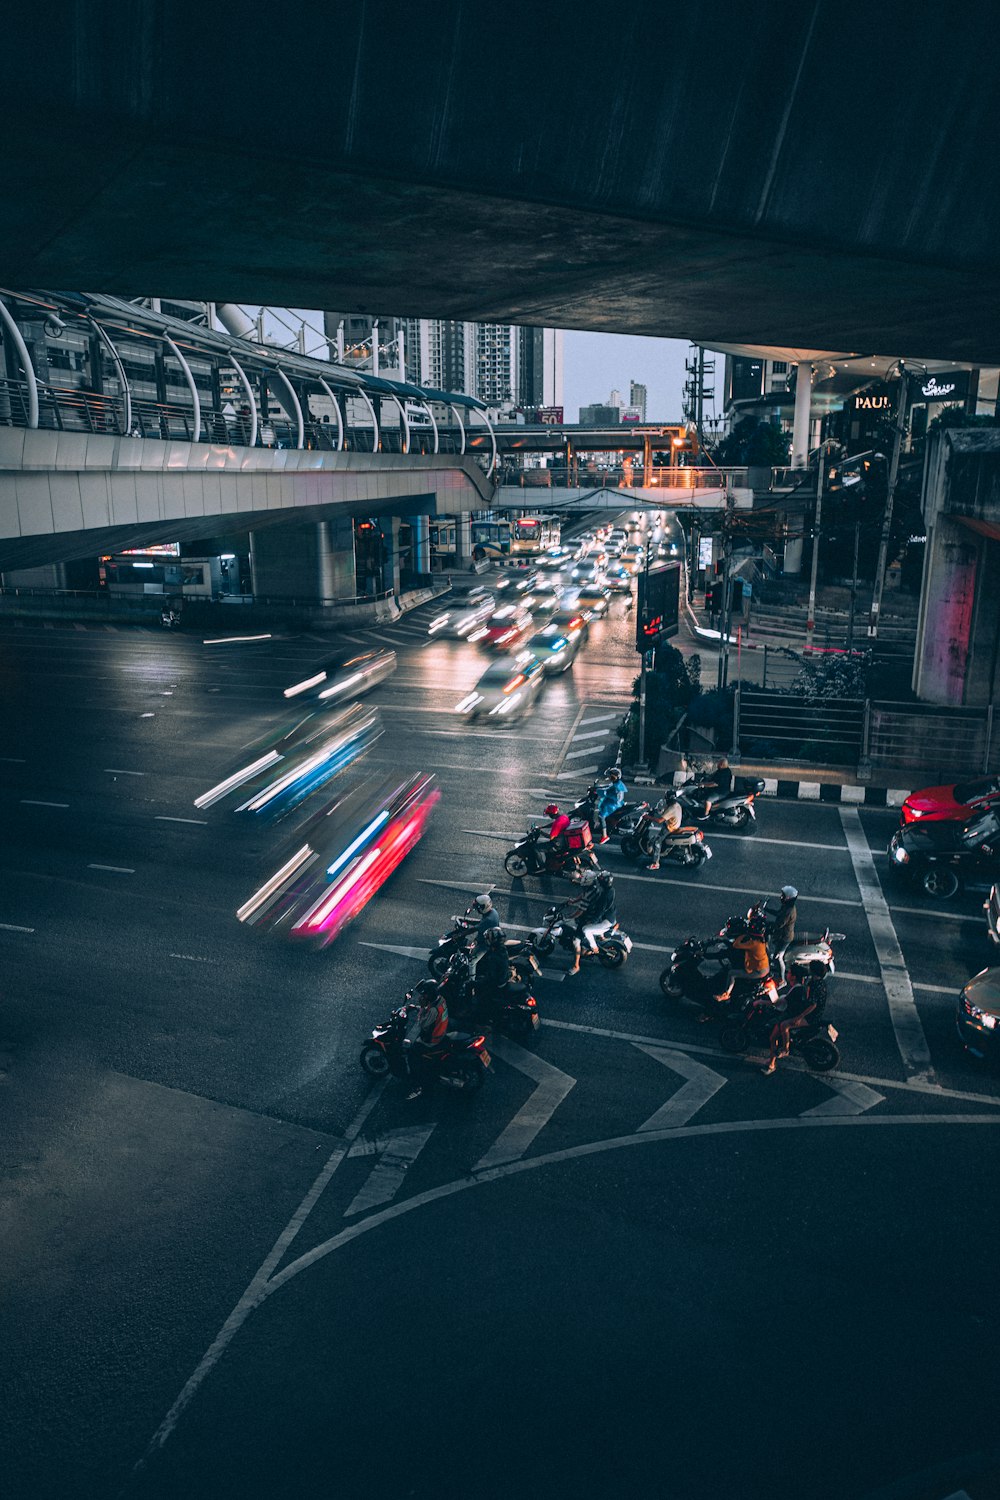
x,y
947,610
420,559
463,540
800,423
792,565
982,680
309,561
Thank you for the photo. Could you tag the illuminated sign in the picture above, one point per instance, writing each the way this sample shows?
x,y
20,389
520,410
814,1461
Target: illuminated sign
x,y
869,402
947,385
705,552
161,549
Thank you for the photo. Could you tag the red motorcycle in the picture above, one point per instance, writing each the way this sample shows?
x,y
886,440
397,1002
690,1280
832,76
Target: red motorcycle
x,y
536,856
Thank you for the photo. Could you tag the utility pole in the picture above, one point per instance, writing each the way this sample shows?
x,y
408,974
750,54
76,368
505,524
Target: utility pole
x,y
854,587
727,553
883,550
642,659
811,608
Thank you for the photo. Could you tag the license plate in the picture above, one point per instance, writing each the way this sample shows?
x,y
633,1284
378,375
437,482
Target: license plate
x,y
627,942
708,852
485,1058
536,1020
832,1033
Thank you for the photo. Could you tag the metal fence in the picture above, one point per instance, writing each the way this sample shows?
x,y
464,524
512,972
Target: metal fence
x,y
959,741
785,726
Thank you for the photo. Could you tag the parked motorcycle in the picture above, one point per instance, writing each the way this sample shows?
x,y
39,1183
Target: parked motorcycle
x,y
461,1061
460,939
735,811
535,856
613,945
815,1044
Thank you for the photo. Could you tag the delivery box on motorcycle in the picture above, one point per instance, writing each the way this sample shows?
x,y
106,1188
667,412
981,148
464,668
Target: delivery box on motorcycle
x,y
579,836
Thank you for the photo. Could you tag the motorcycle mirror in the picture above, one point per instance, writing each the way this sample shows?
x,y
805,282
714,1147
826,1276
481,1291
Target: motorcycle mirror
x,y
836,937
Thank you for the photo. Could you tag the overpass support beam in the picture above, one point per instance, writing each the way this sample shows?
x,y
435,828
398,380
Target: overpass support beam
x,y
463,539
420,531
800,421
952,579
311,562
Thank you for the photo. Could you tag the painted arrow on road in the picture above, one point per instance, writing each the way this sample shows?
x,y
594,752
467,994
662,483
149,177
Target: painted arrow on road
x,y
553,1086
702,1084
396,1153
400,948
848,1099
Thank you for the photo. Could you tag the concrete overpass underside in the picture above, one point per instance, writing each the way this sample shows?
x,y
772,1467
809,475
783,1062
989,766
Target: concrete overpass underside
x,y
770,174
69,495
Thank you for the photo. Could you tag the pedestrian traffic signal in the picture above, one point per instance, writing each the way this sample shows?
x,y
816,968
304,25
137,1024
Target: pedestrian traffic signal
x,y
713,598
658,607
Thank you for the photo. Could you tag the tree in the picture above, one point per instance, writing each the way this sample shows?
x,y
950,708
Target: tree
x,y
754,442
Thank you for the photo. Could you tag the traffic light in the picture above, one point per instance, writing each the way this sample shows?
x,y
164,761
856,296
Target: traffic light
x,y
658,608
713,598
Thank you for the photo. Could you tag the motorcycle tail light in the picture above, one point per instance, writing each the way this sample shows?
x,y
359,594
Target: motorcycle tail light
x,y
531,1002
479,1042
751,797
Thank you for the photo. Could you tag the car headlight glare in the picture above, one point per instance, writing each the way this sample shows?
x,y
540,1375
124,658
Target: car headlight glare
x,y
900,855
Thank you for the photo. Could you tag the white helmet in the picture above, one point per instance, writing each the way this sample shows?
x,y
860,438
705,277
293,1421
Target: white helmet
x,y
483,903
588,877
789,893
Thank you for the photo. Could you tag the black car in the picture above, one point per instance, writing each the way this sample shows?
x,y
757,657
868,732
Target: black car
x,y
941,857
978,1018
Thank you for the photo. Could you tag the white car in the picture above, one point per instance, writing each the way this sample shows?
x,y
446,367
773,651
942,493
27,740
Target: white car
x,y
506,689
463,616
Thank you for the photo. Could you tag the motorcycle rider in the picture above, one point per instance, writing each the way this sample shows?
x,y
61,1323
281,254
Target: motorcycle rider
x,y
596,913
432,1027
493,971
720,785
783,927
556,831
804,1006
612,798
753,945
665,819
489,921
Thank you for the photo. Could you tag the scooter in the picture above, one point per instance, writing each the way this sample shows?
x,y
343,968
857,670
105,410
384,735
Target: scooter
x,y
815,1044
460,939
805,950
461,1062
613,945
702,972
534,857
735,811
686,847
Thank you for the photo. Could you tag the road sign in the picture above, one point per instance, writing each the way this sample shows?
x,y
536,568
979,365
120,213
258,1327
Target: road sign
x,y
658,607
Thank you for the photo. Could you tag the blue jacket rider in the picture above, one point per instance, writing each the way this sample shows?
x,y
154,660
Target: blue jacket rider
x,y
612,798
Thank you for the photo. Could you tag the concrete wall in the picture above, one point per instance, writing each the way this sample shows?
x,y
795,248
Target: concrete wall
x,y
310,562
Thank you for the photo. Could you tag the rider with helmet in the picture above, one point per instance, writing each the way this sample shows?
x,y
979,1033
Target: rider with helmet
x,y
665,819
783,926
596,913
804,1006
493,970
753,945
556,830
432,1027
720,784
612,798
488,921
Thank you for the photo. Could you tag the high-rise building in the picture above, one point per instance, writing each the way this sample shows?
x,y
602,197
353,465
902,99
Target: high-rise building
x,y
637,394
540,367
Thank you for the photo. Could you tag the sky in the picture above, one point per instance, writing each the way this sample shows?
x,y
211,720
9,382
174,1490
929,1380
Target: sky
x,y
597,363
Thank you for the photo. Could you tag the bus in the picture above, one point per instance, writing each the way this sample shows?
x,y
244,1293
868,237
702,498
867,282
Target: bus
x,y
491,538
531,535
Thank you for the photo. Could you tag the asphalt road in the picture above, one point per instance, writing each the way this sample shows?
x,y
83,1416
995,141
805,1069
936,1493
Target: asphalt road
x,y
632,1265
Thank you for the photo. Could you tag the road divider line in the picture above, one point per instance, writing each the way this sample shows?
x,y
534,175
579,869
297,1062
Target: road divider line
x,y
13,760
13,927
114,771
193,958
553,1086
113,869
164,818
569,738
401,949
35,802
702,1084
903,1014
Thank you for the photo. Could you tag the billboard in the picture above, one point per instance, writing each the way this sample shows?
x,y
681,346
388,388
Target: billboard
x,y
658,606
549,416
631,414
946,385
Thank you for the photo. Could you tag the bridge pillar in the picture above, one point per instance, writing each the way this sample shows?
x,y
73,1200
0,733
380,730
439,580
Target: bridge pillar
x,y
463,539
800,421
420,531
311,561
948,613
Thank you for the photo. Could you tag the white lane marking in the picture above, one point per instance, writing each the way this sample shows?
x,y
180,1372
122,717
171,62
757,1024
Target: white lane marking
x,y
908,1085
486,833
403,951
930,911
233,640
13,760
193,958
598,1148
599,719
592,734
576,773
12,927
34,802
114,771
848,1098
257,1289
153,716
758,838
396,1154
553,1086
903,1014
198,822
576,754
114,869
702,1084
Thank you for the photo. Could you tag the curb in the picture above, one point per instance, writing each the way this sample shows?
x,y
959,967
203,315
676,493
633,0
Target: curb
x,y
824,791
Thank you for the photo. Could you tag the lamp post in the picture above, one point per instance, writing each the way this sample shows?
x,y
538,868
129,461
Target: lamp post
x,y
883,551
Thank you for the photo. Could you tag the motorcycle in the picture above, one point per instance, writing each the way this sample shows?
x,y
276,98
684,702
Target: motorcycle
x,y
735,811
534,857
460,939
805,949
817,1044
170,618
615,822
698,971
461,1061
613,945
686,847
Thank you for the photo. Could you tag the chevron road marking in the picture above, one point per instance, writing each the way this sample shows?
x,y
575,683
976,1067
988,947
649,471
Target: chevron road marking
x,y
591,734
598,719
487,833
401,949
396,1154
702,1084
848,1098
553,1086
577,772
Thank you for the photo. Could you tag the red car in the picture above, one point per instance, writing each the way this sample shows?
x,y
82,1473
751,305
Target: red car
x,y
505,630
946,802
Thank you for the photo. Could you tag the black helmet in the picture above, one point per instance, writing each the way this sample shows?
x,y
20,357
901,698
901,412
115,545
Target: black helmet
x,y
757,925
605,877
493,936
425,990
